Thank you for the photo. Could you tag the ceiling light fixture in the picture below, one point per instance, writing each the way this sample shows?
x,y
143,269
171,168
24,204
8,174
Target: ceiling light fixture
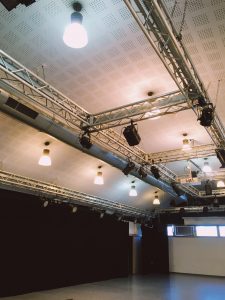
x,y
129,167
45,159
206,168
133,191
99,178
142,172
156,199
131,134
220,184
186,143
75,35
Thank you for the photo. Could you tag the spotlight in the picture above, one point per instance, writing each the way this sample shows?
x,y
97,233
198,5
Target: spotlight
x,y
142,172
201,101
220,184
131,135
207,115
75,35
45,159
129,167
206,168
155,172
186,143
220,153
85,140
176,189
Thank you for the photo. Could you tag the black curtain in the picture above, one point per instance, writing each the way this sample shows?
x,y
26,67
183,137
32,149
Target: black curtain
x,y
44,248
155,256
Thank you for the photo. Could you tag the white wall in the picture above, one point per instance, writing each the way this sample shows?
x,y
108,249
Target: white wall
x,y
197,255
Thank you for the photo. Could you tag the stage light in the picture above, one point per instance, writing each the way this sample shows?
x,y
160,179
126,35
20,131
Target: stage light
x,y
75,35
133,191
206,168
156,199
45,159
208,188
142,172
207,115
85,140
131,135
155,172
99,178
220,153
129,167
176,189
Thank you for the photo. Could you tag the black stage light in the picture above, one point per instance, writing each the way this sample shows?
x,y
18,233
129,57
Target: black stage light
x,y
142,172
207,115
205,209
85,140
220,153
176,189
9,5
201,101
131,135
155,172
129,167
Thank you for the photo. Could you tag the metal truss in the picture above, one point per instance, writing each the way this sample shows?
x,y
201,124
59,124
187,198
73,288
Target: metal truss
x,y
179,154
41,188
19,81
138,111
214,192
156,24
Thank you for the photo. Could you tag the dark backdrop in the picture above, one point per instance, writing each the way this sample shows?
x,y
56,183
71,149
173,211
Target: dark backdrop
x,y
44,248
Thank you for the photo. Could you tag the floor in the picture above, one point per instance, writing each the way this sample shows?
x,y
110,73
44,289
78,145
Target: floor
x,y
172,287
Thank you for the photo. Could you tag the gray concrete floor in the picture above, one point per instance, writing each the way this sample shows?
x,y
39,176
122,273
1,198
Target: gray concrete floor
x,y
172,287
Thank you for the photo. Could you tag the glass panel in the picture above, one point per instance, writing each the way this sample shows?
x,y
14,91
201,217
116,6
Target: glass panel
x,y
206,230
170,230
222,231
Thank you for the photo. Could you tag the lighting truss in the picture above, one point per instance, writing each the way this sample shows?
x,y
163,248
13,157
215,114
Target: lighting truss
x,y
179,154
138,111
156,24
21,183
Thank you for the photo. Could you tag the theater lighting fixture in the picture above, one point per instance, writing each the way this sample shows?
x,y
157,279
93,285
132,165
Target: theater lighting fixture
x,y
155,172
156,199
133,191
206,168
11,4
99,178
220,184
45,159
129,167
207,115
186,143
131,134
220,153
85,140
142,172
75,35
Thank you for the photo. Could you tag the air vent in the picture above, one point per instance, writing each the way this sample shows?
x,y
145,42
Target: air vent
x,y
184,231
23,109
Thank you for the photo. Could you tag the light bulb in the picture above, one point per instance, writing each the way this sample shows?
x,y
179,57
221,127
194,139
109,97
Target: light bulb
x,y
220,184
75,36
45,159
99,179
186,145
133,192
206,168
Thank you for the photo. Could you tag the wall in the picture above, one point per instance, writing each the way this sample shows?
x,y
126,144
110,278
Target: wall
x,y
44,248
197,255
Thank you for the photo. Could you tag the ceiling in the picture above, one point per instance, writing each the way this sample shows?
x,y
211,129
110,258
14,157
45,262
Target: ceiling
x,y
117,67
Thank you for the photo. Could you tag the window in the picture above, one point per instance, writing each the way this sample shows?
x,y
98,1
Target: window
x,y
222,231
206,230
170,230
